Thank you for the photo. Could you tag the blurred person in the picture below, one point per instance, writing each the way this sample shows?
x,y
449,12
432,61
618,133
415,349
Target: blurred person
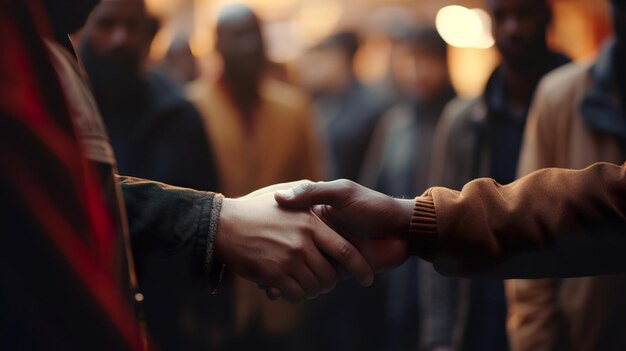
x,y
346,110
156,134
179,63
577,119
262,133
422,79
69,222
398,160
482,138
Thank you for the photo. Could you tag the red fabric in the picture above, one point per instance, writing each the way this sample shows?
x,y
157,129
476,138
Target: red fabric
x,y
78,222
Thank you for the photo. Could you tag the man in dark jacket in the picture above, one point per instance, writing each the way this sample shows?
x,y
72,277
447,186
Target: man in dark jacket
x,y
67,269
482,138
156,134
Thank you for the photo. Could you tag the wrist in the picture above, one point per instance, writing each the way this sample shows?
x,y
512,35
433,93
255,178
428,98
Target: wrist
x,y
403,214
422,233
224,229
213,267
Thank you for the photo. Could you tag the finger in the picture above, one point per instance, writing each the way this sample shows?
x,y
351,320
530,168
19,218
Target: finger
x,y
342,251
291,290
274,188
323,270
308,281
307,194
321,212
273,293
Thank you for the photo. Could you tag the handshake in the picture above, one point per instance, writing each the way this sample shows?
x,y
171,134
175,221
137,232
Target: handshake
x,y
295,240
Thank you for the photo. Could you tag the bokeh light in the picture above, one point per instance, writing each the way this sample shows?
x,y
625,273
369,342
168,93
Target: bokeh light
x,y
316,20
464,28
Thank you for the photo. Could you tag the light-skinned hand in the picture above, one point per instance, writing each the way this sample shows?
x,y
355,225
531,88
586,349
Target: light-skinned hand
x,y
288,249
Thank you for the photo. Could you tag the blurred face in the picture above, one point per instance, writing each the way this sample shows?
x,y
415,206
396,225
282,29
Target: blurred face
x,y
240,43
519,28
324,70
420,73
117,33
618,13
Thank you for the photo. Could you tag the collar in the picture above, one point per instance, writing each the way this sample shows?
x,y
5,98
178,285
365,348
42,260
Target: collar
x,y
495,96
495,90
601,107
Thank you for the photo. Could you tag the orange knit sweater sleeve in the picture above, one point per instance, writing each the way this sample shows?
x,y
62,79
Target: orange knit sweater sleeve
x,y
553,222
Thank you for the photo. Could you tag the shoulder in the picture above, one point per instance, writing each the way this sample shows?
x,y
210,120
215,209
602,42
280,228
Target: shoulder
x,y
168,103
285,105
397,118
462,111
564,83
164,94
283,95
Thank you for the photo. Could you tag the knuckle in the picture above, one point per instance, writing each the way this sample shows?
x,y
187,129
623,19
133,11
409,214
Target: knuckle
x,y
345,250
304,187
348,187
298,248
351,186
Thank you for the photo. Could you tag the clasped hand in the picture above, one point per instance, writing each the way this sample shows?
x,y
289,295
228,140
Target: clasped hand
x,y
297,239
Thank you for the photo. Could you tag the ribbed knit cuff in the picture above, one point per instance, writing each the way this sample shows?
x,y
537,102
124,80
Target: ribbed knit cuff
x,y
212,267
423,228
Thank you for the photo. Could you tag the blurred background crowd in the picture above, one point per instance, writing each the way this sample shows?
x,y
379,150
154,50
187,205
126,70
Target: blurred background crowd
x,y
398,95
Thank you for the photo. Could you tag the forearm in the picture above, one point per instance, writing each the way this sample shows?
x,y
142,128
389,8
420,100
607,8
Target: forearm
x,y
570,222
171,223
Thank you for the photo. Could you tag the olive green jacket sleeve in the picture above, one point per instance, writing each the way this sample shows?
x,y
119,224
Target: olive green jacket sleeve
x,y
551,223
167,222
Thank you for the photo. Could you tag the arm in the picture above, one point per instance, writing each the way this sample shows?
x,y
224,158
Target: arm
x,y
570,222
252,236
552,223
171,223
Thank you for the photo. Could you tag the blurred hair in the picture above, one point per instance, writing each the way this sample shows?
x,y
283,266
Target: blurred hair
x,y
347,41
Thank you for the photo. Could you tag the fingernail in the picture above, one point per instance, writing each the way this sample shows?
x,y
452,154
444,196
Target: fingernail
x,y
286,194
369,281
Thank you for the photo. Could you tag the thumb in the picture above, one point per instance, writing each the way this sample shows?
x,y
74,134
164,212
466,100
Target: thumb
x,y
308,194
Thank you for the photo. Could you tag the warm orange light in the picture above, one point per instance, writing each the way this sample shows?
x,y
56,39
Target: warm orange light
x,y
470,69
316,20
161,7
